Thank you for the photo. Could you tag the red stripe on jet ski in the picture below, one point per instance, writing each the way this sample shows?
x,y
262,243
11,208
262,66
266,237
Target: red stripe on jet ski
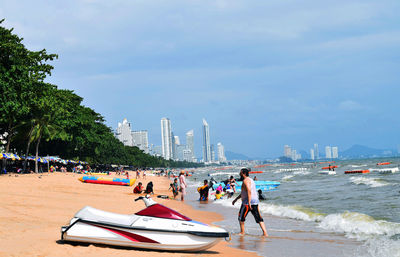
x,y
131,236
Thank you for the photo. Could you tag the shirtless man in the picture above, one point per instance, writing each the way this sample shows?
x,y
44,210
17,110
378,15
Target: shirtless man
x,y
250,202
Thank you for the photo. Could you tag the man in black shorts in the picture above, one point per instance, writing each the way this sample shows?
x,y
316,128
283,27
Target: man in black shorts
x,y
249,202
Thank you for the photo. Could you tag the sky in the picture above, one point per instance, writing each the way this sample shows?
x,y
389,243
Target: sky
x,y
262,73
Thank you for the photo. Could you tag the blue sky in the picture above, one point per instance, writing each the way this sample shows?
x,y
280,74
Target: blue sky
x,y
262,73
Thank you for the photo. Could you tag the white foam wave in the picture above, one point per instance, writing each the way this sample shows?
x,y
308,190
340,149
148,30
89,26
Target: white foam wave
x,y
357,166
372,182
359,226
287,177
223,173
301,172
380,247
376,234
292,211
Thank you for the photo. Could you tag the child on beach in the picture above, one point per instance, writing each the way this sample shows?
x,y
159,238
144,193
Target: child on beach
x,y
138,189
218,195
149,188
175,189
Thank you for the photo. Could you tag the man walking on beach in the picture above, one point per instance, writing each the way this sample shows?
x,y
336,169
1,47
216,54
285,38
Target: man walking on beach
x,y
249,202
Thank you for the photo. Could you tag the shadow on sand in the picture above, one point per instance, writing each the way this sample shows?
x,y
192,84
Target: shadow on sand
x,y
62,242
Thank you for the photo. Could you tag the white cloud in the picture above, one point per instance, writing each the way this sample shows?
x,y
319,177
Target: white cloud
x,y
350,105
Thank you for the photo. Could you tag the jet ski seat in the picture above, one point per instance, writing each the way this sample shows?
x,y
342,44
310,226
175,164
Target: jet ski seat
x,y
92,214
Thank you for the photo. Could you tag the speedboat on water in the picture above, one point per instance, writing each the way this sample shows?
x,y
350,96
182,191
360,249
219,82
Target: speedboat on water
x,y
386,170
155,227
327,172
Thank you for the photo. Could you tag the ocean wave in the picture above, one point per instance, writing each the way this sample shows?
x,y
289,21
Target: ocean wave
x,y
301,172
372,182
357,166
380,247
287,177
379,237
297,212
358,225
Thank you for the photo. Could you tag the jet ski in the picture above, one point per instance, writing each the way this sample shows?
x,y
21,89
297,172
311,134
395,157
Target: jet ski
x,y
156,227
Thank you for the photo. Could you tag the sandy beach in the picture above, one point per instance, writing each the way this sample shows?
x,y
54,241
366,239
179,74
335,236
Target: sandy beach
x,y
33,208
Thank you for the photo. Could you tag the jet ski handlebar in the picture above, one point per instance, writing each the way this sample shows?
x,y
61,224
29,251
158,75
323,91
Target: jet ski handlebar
x,y
146,199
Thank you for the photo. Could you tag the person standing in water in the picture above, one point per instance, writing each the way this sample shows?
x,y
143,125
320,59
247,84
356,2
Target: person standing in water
x,y
183,185
250,202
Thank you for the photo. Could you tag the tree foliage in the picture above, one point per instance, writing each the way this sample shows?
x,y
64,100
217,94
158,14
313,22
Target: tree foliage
x,y
54,120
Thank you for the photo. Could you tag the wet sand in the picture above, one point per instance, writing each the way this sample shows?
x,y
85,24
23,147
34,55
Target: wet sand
x,y
34,207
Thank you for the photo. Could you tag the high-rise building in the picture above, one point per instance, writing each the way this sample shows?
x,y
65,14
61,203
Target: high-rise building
x,y
141,140
316,152
328,152
212,153
221,152
190,143
312,154
180,156
166,139
187,155
294,155
157,150
124,133
335,152
287,150
175,144
206,143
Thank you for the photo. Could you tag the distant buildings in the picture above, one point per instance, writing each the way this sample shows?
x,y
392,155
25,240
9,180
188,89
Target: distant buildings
x,y
316,152
172,147
335,152
124,133
312,154
190,156
291,153
221,152
128,137
328,152
141,140
166,139
287,151
206,143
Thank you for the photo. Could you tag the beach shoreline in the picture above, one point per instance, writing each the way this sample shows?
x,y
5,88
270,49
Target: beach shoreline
x,y
33,207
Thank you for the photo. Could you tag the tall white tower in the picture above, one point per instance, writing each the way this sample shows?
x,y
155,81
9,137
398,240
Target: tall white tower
x,y
316,152
206,142
328,152
124,133
221,152
190,143
141,139
335,152
166,138
287,150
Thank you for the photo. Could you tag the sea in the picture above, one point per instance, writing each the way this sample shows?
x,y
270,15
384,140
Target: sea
x,y
312,214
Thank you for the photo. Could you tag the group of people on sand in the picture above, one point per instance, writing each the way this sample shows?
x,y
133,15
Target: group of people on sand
x,y
179,188
139,189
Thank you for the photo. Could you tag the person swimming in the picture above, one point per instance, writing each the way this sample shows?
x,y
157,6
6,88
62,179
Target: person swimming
x,y
260,195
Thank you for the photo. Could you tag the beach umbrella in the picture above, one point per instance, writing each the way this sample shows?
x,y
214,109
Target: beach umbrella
x,y
10,156
42,160
52,158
